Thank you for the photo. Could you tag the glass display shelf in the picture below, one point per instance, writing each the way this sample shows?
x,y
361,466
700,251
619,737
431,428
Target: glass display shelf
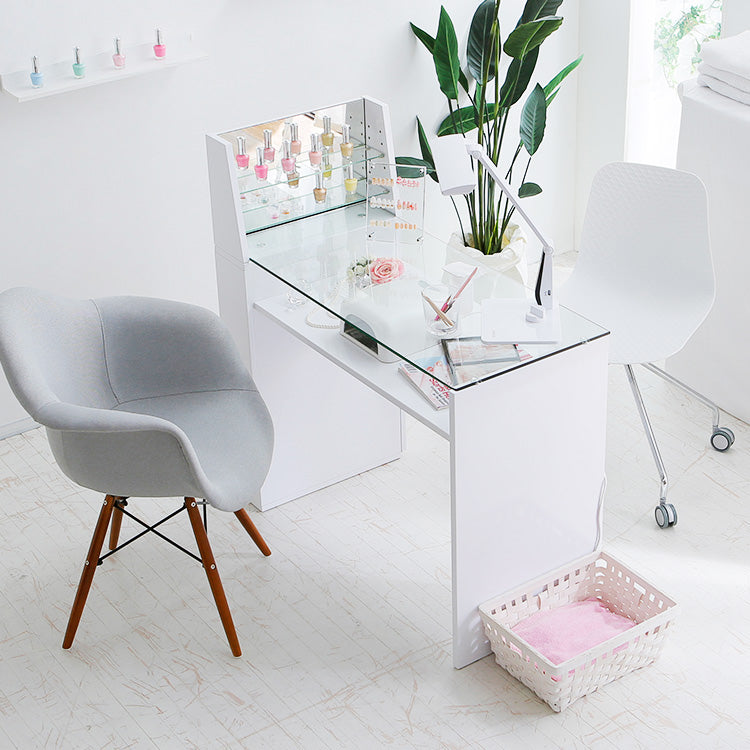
x,y
249,182
317,260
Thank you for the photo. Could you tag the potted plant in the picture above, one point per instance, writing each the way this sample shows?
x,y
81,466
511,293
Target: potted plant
x,y
479,106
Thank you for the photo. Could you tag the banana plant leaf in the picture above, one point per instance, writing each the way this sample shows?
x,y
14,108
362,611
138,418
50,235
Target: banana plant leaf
x,y
480,47
533,120
517,78
528,36
551,88
528,189
409,166
464,120
424,147
539,9
445,56
429,43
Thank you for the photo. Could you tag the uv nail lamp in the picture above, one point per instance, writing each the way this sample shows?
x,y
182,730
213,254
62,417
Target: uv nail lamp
x,y
390,313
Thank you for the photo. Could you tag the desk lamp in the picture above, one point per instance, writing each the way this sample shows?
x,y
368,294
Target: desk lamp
x,y
503,320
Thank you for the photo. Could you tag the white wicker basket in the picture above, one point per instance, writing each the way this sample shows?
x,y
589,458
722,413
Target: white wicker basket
x,y
597,575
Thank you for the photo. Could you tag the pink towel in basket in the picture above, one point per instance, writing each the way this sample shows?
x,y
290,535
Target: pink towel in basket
x,y
569,630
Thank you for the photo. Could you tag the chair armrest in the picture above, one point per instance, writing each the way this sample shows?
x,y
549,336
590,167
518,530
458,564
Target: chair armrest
x,y
59,415
121,453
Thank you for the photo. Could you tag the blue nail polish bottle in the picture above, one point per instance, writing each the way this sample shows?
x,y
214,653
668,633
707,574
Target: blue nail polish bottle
x,y
37,78
79,69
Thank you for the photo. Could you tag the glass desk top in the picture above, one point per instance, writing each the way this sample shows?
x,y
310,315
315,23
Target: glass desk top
x,y
322,257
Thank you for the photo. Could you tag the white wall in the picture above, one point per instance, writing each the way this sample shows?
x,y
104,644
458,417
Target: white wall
x,y
104,190
602,91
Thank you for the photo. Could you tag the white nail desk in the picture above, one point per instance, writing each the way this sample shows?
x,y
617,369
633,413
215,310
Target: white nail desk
x,y
527,441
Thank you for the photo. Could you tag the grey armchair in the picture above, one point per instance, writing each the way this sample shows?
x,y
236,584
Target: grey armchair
x,y
140,398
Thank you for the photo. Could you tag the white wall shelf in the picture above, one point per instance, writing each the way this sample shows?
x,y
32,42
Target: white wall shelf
x,y
59,78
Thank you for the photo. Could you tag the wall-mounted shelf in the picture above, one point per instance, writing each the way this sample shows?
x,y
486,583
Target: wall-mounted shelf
x,y
59,78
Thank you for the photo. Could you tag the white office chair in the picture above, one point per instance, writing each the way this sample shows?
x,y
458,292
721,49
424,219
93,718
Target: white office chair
x,y
645,273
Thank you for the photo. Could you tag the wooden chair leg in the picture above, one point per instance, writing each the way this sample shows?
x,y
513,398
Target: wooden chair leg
x,y
209,565
114,532
89,568
249,526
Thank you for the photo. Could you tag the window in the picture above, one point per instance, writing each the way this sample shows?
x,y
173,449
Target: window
x,y
665,49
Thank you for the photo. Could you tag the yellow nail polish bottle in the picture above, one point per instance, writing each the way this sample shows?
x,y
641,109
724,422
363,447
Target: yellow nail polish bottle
x,y
350,181
326,164
346,144
327,136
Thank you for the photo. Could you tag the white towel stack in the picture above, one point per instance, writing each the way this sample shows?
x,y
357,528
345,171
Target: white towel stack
x,y
726,67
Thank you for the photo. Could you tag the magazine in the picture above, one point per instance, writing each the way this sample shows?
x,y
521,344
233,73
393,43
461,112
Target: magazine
x,y
433,390
472,350
470,359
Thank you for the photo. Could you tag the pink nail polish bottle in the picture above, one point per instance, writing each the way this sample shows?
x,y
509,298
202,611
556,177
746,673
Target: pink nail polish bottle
x,y
294,135
243,160
316,154
269,152
118,58
261,168
160,50
287,160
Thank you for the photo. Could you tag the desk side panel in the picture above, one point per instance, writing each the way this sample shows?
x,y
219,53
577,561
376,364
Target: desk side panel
x,y
328,425
527,460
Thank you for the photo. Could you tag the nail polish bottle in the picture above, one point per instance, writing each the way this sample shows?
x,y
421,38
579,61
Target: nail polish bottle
x,y
327,136
315,152
243,160
269,152
288,162
346,144
292,178
326,164
261,168
320,192
160,49
350,181
79,69
37,78
118,58
294,135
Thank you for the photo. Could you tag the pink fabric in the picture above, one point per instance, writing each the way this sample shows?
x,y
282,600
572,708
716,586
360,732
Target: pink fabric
x,y
567,631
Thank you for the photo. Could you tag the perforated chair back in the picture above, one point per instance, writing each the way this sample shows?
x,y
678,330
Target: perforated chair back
x,y
644,270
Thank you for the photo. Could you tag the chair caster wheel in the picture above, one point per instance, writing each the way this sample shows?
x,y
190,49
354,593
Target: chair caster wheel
x,y
665,515
722,439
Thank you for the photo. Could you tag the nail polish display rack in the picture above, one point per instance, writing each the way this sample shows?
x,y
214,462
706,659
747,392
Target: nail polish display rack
x,y
139,60
265,202
340,176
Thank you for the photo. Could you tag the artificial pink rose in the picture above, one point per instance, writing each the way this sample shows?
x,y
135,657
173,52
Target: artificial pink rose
x,y
383,270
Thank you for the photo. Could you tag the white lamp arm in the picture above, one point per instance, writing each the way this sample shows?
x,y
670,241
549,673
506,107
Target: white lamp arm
x,y
543,289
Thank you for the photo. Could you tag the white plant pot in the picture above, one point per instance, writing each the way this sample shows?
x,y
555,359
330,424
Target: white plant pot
x,y
511,261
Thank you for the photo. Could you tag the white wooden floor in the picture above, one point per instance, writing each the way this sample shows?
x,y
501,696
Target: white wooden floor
x,y
345,628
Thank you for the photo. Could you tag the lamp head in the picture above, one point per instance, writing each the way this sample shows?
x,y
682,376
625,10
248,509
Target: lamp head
x,y
453,164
